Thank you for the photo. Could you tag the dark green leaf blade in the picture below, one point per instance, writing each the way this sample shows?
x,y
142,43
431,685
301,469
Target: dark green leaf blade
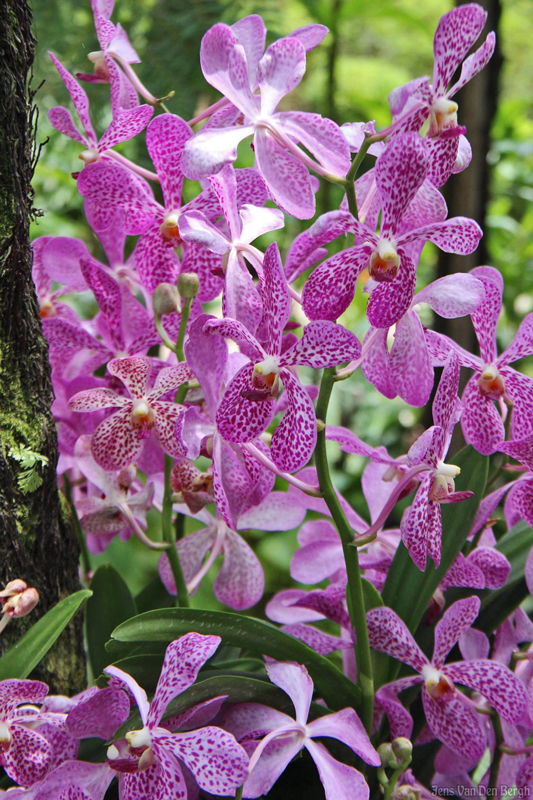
x,y
31,648
110,605
253,635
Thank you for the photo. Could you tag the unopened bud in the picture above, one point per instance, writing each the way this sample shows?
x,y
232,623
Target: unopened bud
x,y
13,587
386,754
21,604
406,792
188,285
402,749
165,300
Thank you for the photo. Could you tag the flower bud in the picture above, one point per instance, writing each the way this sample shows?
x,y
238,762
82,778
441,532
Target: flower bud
x,y
188,285
14,587
402,749
406,792
386,754
18,605
165,300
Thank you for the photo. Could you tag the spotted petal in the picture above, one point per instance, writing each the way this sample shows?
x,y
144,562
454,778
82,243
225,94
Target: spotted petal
x,y
287,178
331,287
400,171
456,725
504,691
323,344
390,635
456,33
458,618
294,439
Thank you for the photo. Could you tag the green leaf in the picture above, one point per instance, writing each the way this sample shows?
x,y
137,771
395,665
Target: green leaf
x,y
373,598
407,590
31,648
110,605
237,688
253,635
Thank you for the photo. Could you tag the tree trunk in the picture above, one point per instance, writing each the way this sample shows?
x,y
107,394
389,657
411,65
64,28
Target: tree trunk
x,y
36,541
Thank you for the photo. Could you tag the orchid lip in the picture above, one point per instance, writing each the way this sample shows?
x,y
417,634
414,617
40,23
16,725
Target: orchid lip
x,y
5,734
270,366
139,738
89,156
447,470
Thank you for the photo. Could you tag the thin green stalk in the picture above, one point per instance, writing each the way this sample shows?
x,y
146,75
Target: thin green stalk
x,y
185,314
238,793
169,536
354,594
498,754
167,341
350,177
80,533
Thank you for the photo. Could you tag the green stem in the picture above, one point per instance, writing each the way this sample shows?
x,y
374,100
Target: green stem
x,y
169,536
167,341
185,314
350,177
498,753
354,594
238,793
80,533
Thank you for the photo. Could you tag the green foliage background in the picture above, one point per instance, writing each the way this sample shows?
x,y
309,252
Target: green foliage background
x,y
380,45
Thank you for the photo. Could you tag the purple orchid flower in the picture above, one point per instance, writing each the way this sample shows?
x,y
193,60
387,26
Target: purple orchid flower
x,y
115,47
418,100
56,259
241,299
239,480
247,407
225,66
25,754
118,511
406,369
400,172
451,716
283,737
118,440
421,523
240,582
71,780
126,123
494,379
217,762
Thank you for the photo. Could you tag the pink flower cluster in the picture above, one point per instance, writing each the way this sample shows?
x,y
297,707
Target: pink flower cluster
x,y
152,377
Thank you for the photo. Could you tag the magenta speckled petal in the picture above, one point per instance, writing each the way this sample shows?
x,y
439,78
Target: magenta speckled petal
x,y
376,363
323,344
454,295
400,720
61,119
165,139
155,258
241,581
340,781
325,229
127,124
115,444
108,188
170,378
132,686
217,762
445,403
133,372
13,692
251,33
522,344
207,152
486,317
239,419
400,171
520,449
78,97
235,330
519,387
163,779
389,634
415,522
346,726
294,439
493,564
318,641
475,63
331,286
481,423
224,65
27,757
411,372
183,660
167,416
93,399
504,691
389,301
455,235
276,299
101,715
456,33
279,72
457,619
456,725
287,179
321,136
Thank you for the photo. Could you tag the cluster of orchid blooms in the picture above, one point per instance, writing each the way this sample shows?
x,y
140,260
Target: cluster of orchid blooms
x,y
149,386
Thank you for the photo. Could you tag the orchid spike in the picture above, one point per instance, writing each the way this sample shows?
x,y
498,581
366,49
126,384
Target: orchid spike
x,y
248,404
450,714
281,738
118,440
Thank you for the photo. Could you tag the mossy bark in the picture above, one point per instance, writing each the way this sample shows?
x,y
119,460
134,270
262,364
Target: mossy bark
x,y
36,541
